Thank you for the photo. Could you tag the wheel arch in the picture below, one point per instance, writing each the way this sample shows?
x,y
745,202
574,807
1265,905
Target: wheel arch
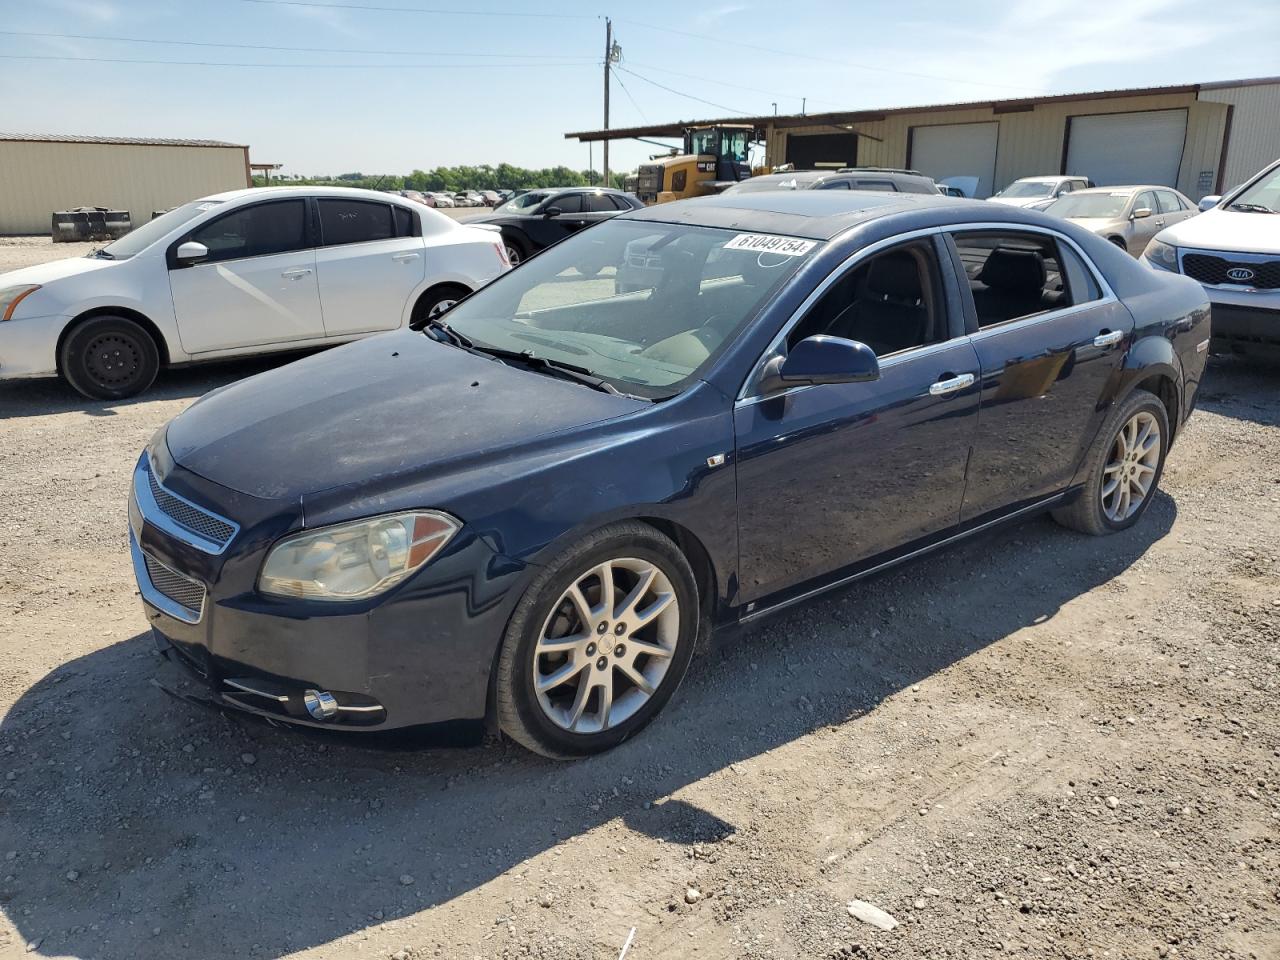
x,y
147,324
1153,365
436,288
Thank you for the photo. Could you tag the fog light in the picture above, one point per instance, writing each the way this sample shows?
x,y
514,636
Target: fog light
x,y
320,704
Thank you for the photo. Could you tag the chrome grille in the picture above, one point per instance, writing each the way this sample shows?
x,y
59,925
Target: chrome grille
x,y
181,590
189,516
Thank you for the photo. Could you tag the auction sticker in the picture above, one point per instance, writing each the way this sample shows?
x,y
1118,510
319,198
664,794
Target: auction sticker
x,y
767,243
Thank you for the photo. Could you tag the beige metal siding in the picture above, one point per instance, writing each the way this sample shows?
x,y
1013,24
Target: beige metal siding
x,y
37,178
1255,128
1031,141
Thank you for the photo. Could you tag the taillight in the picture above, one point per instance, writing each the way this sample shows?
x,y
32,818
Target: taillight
x,y
502,254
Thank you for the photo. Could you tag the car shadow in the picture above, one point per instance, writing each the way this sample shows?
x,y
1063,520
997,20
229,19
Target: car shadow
x,y
134,825
50,395
1242,388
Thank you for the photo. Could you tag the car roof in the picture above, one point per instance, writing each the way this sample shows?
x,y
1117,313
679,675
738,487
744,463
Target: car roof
x,y
349,192
813,214
1123,188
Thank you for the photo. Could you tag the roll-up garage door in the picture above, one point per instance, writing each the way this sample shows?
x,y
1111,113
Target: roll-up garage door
x,y
956,150
1116,148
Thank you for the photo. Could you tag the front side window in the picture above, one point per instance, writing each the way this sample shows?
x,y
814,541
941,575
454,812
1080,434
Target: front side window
x,y
734,143
1146,199
354,221
676,297
255,231
891,302
835,185
1012,275
566,203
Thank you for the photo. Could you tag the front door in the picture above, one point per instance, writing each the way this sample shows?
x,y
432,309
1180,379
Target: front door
x,y
832,475
257,286
1142,229
368,264
1049,338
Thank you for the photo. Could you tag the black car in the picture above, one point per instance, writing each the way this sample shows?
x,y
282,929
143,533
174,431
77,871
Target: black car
x,y
522,513
535,220
849,178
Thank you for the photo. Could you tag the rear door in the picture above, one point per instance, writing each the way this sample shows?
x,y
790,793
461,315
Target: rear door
x,y
256,287
369,263
1049,336
831,475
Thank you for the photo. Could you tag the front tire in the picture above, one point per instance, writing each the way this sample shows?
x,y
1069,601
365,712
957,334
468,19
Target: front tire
x,y
598,643
1124,468
109,358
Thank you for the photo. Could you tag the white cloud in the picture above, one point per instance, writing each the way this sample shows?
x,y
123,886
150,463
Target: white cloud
x,y
99,11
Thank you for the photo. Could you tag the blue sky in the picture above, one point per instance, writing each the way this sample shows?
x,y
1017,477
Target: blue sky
x,y
492,81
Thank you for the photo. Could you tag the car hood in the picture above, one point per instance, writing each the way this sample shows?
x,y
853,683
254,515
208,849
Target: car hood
x,y
1095,224
399,404
55,270
1227,230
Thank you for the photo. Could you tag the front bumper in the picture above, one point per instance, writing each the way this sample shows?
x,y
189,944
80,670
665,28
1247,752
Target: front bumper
x,y
1245,322
28,348
419,655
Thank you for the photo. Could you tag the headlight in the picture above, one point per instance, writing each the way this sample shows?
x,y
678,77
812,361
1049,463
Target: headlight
x,y
352,561
1162,255
10,297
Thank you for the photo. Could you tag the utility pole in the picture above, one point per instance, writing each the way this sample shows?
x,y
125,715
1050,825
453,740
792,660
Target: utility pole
x,y
608,60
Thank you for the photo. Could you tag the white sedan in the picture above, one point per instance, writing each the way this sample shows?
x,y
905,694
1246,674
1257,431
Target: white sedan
x,y
239,273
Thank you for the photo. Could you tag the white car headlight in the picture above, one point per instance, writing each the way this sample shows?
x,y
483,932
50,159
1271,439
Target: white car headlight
x,y
10,297
354,561
1162,255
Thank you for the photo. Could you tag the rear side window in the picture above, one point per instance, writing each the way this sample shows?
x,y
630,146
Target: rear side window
x,y
1014,275
404,222
354,221
257,231
835,185
619,203
891,302
885,186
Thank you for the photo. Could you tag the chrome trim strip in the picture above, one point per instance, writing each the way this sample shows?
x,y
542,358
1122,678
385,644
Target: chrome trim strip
x,y
152,514
153,596
245,688
784,604
378,708
1202,346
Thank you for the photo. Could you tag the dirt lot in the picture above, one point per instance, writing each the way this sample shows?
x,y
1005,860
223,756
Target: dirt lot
x,y
1034,743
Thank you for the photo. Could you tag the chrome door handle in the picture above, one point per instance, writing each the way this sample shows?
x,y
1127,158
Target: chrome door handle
x,y
943,387
1108,338
297,273
404,257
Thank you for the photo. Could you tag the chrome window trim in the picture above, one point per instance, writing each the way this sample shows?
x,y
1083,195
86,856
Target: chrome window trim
x,y
1107,296
154,597
152,514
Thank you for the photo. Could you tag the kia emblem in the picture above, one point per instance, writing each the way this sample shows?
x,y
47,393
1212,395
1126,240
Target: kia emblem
x,y
1240,274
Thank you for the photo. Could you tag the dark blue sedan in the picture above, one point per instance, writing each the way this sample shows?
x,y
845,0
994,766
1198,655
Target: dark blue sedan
x,y
523,513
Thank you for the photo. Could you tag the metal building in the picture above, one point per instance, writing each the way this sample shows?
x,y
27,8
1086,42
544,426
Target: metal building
x,y
1201,138
41,174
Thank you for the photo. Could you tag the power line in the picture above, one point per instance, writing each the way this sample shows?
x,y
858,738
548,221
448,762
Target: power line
x,y
435,10
736,86
287,66
680,93
814,57
630,97
263,46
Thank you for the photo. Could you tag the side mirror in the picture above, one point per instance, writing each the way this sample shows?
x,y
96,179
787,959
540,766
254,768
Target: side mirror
x,y
1208,203
552,212
191,251
821,359
1141,213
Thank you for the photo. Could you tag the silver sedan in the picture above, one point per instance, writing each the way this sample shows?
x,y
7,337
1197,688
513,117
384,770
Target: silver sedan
x,y
1127,216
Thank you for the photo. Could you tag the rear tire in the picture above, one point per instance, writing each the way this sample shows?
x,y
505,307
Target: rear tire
x,y
517,250
436,300
592,643
1123,471
109,358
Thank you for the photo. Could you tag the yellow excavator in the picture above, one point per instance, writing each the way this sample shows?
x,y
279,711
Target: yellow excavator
x,y
714,157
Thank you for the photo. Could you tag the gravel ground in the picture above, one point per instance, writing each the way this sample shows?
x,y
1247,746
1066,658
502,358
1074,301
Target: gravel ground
x,y
1034,743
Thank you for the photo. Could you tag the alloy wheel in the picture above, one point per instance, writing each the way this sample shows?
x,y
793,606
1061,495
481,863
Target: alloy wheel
x,y
606,646
513,255
1130,471
439,308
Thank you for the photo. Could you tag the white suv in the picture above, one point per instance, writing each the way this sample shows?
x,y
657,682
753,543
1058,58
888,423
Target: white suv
x,y
1233,249
251,271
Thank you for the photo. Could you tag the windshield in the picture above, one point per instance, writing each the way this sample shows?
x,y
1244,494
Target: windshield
x,y
1264,193
760,184
137,240
1027,188
526,201
667,300
1081,205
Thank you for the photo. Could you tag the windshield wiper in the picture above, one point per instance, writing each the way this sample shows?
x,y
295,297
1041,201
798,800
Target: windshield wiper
x,y
100,255
1250,207
566,371
442,332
